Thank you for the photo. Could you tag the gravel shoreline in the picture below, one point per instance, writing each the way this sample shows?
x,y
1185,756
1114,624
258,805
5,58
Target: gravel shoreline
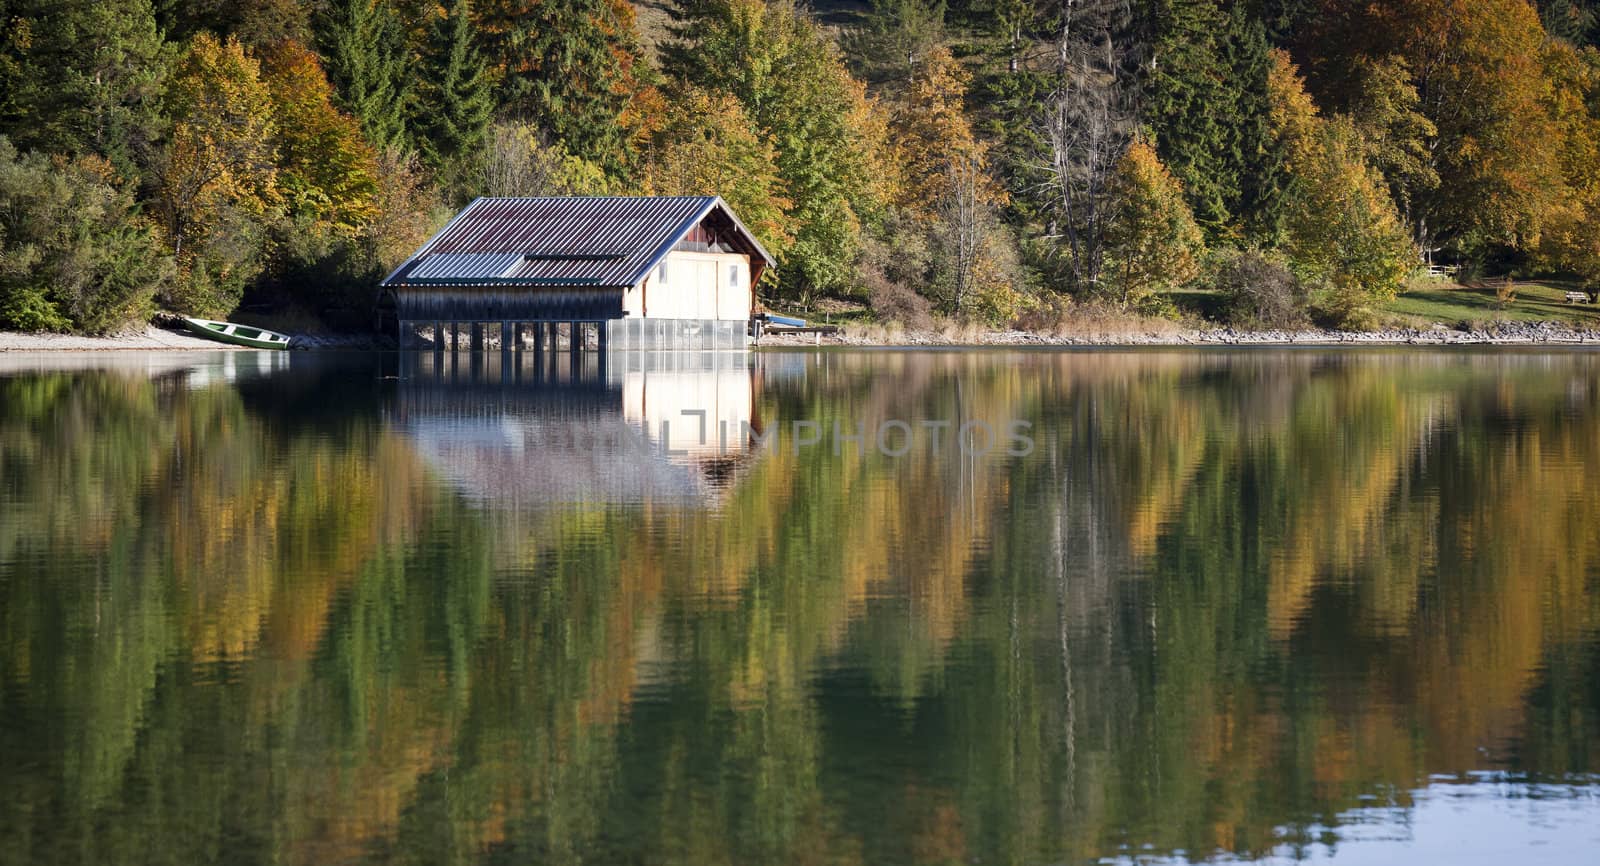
x,y
1507,333
153,338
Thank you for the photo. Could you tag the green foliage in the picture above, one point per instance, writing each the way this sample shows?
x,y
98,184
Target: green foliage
x,y
452,103
364,46
829,138
83,78
1576,21
1207,107
1344,235
564,66
74,252
894,38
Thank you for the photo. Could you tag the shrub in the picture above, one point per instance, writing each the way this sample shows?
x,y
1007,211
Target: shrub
x,y
75,254
894,301
1258,291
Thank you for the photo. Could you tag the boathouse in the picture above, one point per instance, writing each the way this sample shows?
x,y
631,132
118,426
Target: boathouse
x,y
639,272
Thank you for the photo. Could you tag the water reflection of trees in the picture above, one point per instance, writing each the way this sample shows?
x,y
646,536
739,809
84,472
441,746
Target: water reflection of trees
x,y
1226,595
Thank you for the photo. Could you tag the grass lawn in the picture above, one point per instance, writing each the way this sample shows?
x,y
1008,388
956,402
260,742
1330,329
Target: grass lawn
x,y
1449,304
1445,303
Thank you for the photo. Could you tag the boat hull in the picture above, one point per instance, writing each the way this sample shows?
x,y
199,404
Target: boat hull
x,y
238,335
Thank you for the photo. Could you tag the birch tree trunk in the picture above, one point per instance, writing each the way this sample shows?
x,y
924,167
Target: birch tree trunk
x,y
1087,122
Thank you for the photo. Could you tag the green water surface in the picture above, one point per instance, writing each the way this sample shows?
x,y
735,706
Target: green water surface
x,y
1153,606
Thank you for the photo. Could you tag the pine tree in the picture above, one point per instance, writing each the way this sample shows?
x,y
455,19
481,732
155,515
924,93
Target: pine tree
x,y
566,67
1207,107
364,47
83,78
453,103
1576,21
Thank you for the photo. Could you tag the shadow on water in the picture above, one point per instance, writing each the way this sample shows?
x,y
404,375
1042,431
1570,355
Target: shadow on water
x,y
378,608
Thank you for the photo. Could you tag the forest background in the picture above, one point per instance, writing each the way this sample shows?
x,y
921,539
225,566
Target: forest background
x,y
998,162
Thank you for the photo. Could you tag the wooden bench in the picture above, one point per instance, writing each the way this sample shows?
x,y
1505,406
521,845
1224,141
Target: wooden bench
x,y
1577,297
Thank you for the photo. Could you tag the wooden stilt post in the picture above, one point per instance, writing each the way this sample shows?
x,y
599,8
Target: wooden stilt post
x,y
438,336
555,328
455,350
507,353
477,336
538,340
516,336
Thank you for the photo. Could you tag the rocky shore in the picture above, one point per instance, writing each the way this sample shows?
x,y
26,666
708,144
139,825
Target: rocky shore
x,y
1504,333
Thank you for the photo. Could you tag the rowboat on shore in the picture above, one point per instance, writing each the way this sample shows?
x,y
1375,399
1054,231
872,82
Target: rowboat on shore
x,y
241,335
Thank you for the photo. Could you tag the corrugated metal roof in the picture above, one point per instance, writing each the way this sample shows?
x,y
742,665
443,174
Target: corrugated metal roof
x,y
593,241
474,266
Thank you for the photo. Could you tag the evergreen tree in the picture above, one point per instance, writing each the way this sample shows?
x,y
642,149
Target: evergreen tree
x,y
1207,107
82,78
364,47
565,66
1573,20
453,102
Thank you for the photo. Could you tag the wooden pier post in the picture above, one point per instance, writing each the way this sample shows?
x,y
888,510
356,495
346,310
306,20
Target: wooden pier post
x,y
477,337
538,340
438,336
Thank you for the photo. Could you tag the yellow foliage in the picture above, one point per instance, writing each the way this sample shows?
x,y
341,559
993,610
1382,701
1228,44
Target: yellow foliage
x,y
1153,243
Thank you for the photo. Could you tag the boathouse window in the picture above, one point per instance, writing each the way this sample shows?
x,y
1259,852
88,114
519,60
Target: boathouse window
x,y
733,276
661,273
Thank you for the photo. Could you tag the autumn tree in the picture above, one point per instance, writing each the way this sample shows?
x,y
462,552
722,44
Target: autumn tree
x,y
947,191
1344,235
711,147
830,138
1153,243
325,167
217,179
1477,69
1570,241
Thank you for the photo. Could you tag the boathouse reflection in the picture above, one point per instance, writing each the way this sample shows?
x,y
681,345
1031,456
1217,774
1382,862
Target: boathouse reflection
x,y
611,427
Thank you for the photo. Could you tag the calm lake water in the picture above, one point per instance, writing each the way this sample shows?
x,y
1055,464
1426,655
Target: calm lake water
x,y
1153,606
